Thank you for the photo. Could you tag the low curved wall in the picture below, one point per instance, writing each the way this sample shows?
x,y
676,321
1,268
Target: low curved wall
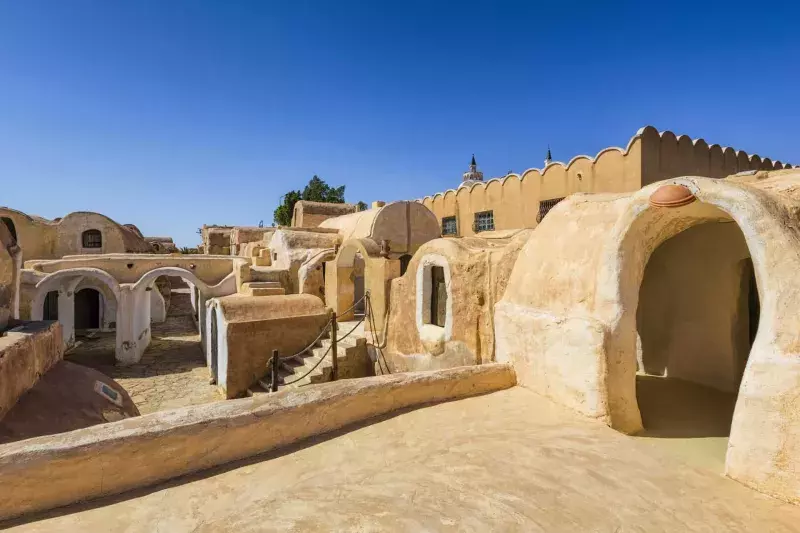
x,y
47,472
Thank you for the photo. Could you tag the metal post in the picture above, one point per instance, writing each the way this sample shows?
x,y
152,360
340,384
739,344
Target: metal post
x,y
334,349
275,363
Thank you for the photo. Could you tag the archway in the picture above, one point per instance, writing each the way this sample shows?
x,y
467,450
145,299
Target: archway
x,y
88,305
696,320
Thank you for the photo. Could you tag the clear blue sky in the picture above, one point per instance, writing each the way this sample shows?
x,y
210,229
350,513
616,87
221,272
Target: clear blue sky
x,y
169,114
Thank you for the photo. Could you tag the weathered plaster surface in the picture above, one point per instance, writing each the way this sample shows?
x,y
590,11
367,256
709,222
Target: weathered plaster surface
x,y
27,351
46,472
476,273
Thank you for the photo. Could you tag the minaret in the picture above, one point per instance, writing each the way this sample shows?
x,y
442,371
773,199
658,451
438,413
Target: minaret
x,y
473,174
548,158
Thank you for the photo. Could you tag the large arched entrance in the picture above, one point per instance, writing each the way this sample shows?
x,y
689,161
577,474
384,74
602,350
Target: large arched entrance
x,y
696,320
88,305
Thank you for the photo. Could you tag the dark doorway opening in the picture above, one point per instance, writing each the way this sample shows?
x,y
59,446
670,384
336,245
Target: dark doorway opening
x,y
87,309
214,347
50,311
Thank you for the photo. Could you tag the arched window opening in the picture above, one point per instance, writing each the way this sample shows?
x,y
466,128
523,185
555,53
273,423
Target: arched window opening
x,y
11,228
92,239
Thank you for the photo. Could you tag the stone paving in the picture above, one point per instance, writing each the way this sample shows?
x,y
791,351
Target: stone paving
x,y
172,372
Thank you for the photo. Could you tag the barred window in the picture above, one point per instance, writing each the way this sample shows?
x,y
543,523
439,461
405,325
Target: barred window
x,y
545,206
484,221
449,226
92,239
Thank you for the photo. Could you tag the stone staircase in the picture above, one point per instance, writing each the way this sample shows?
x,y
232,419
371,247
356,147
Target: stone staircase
x,y
262,288
262,278
352,358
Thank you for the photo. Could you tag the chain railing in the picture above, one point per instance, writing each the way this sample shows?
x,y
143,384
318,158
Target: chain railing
x,y
275,360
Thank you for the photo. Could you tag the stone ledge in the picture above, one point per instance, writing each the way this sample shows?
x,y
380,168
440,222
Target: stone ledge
x,y
47,472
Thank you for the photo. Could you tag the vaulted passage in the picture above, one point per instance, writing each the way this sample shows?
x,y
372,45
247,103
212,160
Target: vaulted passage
x,y
697,319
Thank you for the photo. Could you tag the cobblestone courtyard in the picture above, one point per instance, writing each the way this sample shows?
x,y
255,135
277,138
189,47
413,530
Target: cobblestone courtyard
x,y
172,372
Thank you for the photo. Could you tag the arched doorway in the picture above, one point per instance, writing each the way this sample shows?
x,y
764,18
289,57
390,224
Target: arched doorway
x,y
87,309
696,320
214,346
50,309
11,228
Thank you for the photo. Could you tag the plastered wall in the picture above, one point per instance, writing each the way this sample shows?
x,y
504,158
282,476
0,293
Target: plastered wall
x,y
649,156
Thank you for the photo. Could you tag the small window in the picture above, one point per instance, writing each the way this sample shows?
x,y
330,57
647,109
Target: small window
x,y
449,226
484,221
92,239
545,206
438,297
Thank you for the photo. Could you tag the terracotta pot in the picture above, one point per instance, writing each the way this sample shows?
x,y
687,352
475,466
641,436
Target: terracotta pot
x,y
671,196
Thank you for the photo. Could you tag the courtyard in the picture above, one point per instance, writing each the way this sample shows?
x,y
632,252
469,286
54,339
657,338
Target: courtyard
x,y
172,372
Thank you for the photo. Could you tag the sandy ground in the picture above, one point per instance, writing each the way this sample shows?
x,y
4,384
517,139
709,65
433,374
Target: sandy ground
x,y
172,372
508,461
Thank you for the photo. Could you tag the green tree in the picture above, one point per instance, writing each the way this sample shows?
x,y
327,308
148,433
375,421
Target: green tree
x,y
362,206
316,191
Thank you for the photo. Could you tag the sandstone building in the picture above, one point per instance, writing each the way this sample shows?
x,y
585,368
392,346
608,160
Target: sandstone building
x,y
522,200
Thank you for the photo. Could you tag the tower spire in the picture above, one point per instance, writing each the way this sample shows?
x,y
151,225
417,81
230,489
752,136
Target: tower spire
x,y
549,157
473,174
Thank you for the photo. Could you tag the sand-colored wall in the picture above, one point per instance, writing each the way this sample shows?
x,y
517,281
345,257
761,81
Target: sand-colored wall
x,y
309,214
665,155
56,470
210,270
26,353
216,239
692,316
10,263
45,239
649,156
478,270
404,225
515,199
255,326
